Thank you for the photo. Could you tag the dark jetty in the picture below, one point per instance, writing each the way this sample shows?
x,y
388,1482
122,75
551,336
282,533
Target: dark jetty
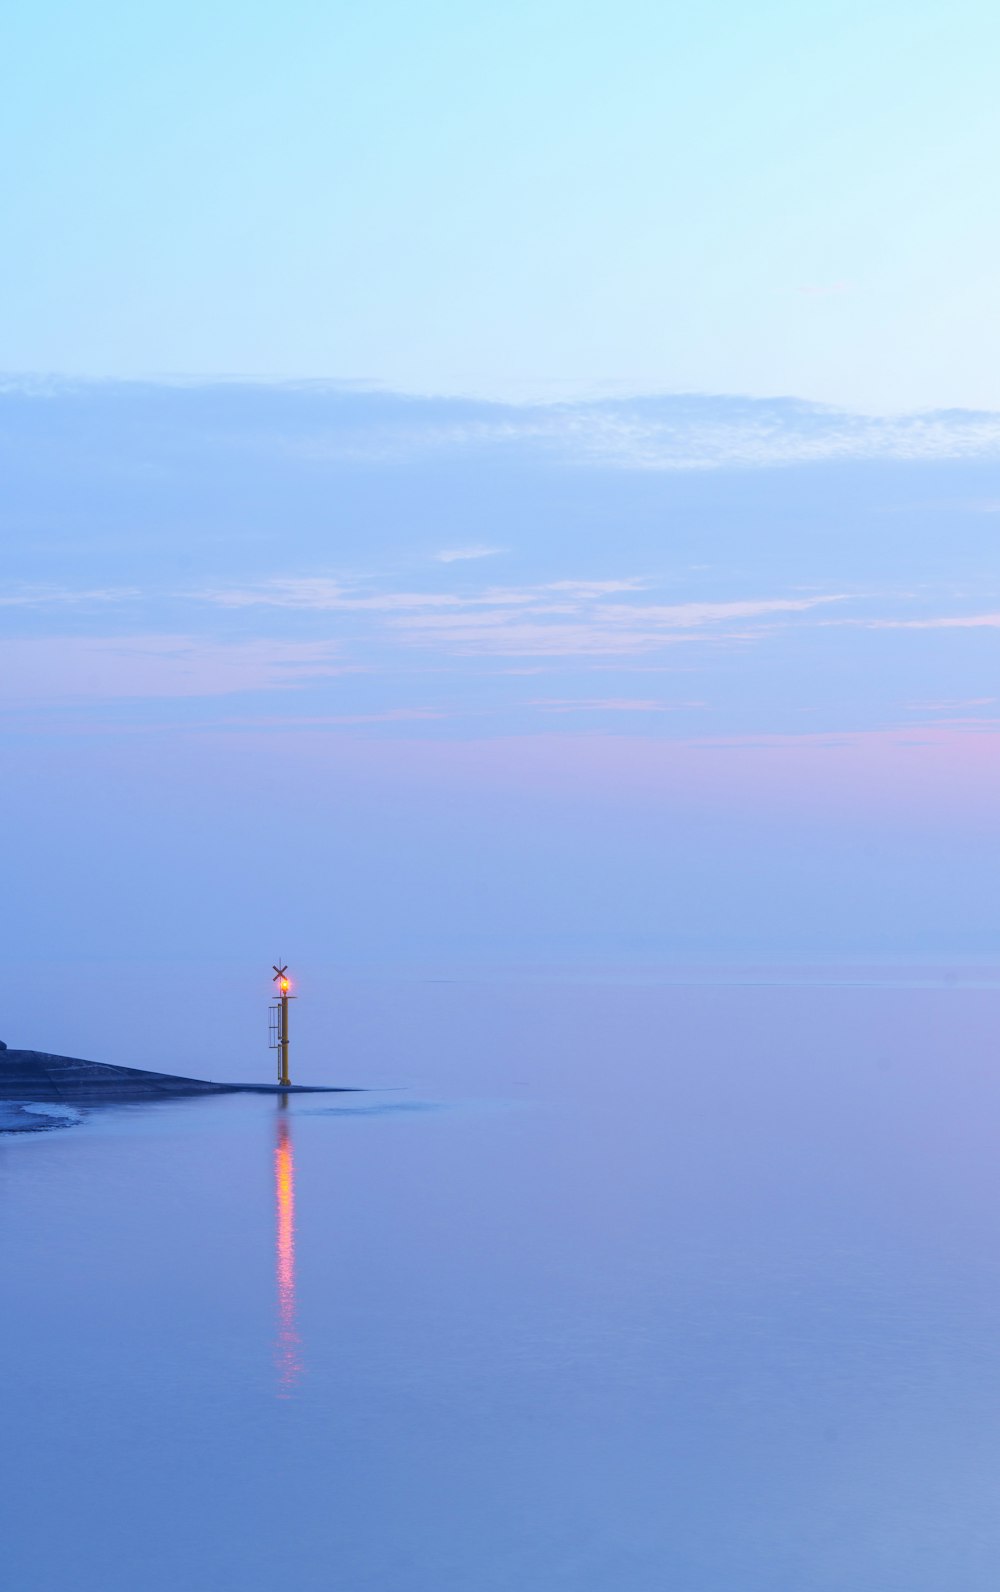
x,y
37,1075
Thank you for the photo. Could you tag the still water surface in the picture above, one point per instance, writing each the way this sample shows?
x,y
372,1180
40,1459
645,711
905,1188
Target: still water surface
x,y
611,1289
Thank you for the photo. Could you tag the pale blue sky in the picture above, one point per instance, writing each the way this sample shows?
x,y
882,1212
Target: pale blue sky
x,y
518,200
685,677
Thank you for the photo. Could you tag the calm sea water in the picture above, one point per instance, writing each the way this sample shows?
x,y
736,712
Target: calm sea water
x,y
610,1289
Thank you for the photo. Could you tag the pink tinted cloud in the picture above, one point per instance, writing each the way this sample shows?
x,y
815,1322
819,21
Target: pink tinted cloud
x,y
942,622
610,705
576,628
555,618
36,670
56,596
287,721
461,555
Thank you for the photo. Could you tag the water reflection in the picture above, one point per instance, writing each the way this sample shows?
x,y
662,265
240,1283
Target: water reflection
x,y
287,1344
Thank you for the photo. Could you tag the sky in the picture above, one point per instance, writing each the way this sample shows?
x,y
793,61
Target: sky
x,y
520,201
441,684
506,497
500,486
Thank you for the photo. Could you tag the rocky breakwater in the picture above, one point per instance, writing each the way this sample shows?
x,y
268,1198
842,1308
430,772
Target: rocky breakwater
x,y
38,1075
30,1078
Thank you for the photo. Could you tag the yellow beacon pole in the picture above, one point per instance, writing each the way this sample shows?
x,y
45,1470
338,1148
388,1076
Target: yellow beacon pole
x,y
280,1042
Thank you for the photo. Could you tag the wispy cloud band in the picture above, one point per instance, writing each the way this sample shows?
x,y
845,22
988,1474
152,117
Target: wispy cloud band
x,y
556,618
70,668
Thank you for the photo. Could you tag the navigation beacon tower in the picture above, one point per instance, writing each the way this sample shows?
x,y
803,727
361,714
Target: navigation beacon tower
x,y
278,1022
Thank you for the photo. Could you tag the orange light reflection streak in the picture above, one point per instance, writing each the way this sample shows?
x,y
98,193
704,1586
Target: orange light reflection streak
x,y
287,1344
